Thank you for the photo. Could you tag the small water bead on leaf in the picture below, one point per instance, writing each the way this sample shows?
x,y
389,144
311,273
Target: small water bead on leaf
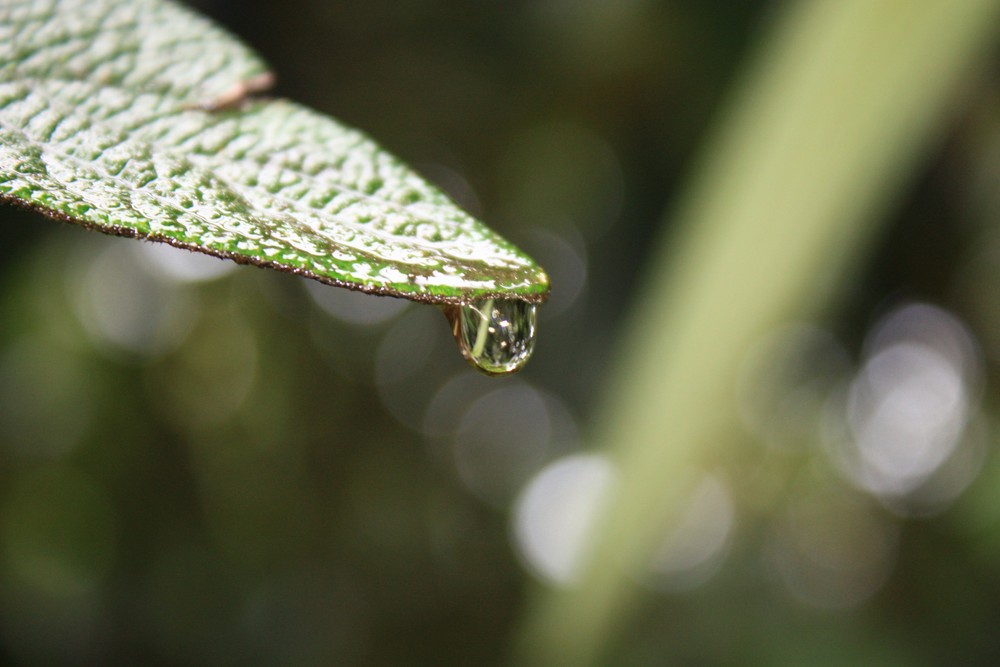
x,y
497,336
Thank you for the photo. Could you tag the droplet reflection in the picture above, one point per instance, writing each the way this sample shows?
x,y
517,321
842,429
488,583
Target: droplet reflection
x,y
497,336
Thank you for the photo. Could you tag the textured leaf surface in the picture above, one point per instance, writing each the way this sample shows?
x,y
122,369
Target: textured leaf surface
x,y
117,115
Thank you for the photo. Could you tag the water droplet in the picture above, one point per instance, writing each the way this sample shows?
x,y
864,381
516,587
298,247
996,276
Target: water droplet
x,y
497,336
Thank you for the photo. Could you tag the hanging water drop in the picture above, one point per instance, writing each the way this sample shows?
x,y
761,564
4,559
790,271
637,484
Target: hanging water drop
x,y
497,336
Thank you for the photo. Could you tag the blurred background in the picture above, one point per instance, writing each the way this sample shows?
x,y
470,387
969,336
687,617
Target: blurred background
x,y
209,464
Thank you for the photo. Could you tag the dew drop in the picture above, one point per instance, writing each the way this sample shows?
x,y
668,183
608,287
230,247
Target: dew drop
x,y
497,336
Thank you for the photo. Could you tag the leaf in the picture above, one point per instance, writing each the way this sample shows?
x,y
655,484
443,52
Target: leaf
x,y
133,118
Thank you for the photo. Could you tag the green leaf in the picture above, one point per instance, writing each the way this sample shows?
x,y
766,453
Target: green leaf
x,y
134,118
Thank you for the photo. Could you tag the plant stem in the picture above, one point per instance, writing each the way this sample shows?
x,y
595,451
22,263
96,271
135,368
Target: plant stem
x,y
842,100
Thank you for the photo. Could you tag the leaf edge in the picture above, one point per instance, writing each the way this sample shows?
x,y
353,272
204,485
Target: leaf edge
x,y
539,295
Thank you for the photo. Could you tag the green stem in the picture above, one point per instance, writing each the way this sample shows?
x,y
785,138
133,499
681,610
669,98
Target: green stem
x,y
842,100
